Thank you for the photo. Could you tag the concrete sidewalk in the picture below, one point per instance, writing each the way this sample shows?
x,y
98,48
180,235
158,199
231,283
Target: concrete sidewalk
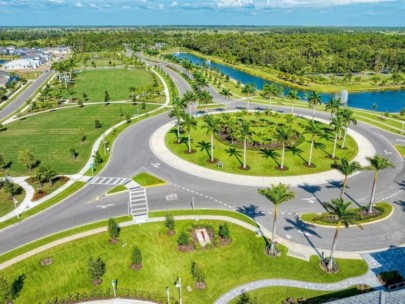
x,y
118,301
159,148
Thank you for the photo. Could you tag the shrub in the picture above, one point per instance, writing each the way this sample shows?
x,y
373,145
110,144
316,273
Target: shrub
x,y
197,273
169,221
97,124
224,231
183,238
113,229
245,298
136,256
95,268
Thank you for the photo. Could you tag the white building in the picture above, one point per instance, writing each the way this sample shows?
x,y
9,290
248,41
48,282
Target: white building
x,y
24,64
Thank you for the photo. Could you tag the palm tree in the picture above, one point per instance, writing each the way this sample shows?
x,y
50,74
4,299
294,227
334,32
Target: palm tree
x,y
45,174
293,95
26,157
377,163
205,98
226,93
336,125
348,118
339,209
283,136
268,91
346,168
177,112
313,100
333,105
277,194
212,125
246,134
189,123
249,89
314,129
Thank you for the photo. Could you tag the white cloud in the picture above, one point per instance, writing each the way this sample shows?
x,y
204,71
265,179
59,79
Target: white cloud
x,y
125,7
318,3
161,6
57,1
173,4
234,3
78,4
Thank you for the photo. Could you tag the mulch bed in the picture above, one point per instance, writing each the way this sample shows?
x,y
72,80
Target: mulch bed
x,y
190,152
113,241
279,168
200,285
46,261
171,232
136,267
97,282
324,266
244,169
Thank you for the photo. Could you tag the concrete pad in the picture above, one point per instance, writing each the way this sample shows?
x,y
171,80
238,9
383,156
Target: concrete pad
x,y
203,236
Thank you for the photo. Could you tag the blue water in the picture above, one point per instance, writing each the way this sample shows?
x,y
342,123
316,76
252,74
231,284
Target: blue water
x,y
387,101
2,61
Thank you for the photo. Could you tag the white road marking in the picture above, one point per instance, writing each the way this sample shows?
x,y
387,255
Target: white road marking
x,y
171,197
310,200
104,206
156,165
387,152
288,236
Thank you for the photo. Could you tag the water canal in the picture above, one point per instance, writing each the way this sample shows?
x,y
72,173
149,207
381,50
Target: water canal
x,y
387,101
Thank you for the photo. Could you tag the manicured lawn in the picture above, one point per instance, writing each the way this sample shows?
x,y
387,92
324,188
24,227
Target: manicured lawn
x,y
7,203
50,136
162,263
401,149
147,180
261,164
279,294
117,189
117,82
318,219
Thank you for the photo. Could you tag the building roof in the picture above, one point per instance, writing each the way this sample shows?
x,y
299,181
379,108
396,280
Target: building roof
x,y
375,297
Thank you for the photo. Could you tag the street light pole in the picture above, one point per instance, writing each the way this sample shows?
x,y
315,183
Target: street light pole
x,y
168,295
15,207
178,285
113,286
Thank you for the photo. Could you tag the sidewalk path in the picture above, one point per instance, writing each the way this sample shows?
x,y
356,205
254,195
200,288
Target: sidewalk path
x,y
159,148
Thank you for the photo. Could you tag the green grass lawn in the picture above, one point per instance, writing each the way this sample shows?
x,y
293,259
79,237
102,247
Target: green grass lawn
x,y
260,165
117,82
278,294
49,136
116,189
401,150
7,203
162,263
147,180
315,218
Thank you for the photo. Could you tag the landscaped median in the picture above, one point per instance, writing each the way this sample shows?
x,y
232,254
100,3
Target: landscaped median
x,y
144,179
381,212
162,263
401,150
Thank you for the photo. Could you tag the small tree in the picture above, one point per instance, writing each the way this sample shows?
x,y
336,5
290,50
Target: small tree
x,y
169,224
197,273
97,158
113,230
26,157
106,97
245,298
73,153
5,290
183,239
136,257
11,188
224,231
97,124
95,269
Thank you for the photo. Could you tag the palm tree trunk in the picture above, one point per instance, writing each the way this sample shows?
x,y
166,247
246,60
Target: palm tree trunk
x,y
212,146
282,157
332,252
206,108
248,104
244,154
313,113
189,143
344,139
370,208
178,130
270,103
310,152
292,108
334,146
273,235
343,187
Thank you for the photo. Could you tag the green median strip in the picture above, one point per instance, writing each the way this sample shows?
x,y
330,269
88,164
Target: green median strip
x,y
324,219
117,189
401,150
145,179
52,201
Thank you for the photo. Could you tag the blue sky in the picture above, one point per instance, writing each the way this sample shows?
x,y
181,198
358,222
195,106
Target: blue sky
x,y
205,12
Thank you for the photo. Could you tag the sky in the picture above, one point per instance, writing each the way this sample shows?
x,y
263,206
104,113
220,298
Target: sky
x,y
204,12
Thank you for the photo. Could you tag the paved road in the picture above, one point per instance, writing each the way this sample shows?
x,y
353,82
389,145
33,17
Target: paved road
x,y
131,152
27,93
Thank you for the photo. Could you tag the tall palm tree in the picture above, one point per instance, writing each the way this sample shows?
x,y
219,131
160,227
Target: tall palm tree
x,y
189,123
246,134
268,91
313,100
348,118
188,98
277,194
346,168
212,125
336,125
293,96
205,98
226,93
249,89
283,136
314,129
339,209
177,112
377,163
333,105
